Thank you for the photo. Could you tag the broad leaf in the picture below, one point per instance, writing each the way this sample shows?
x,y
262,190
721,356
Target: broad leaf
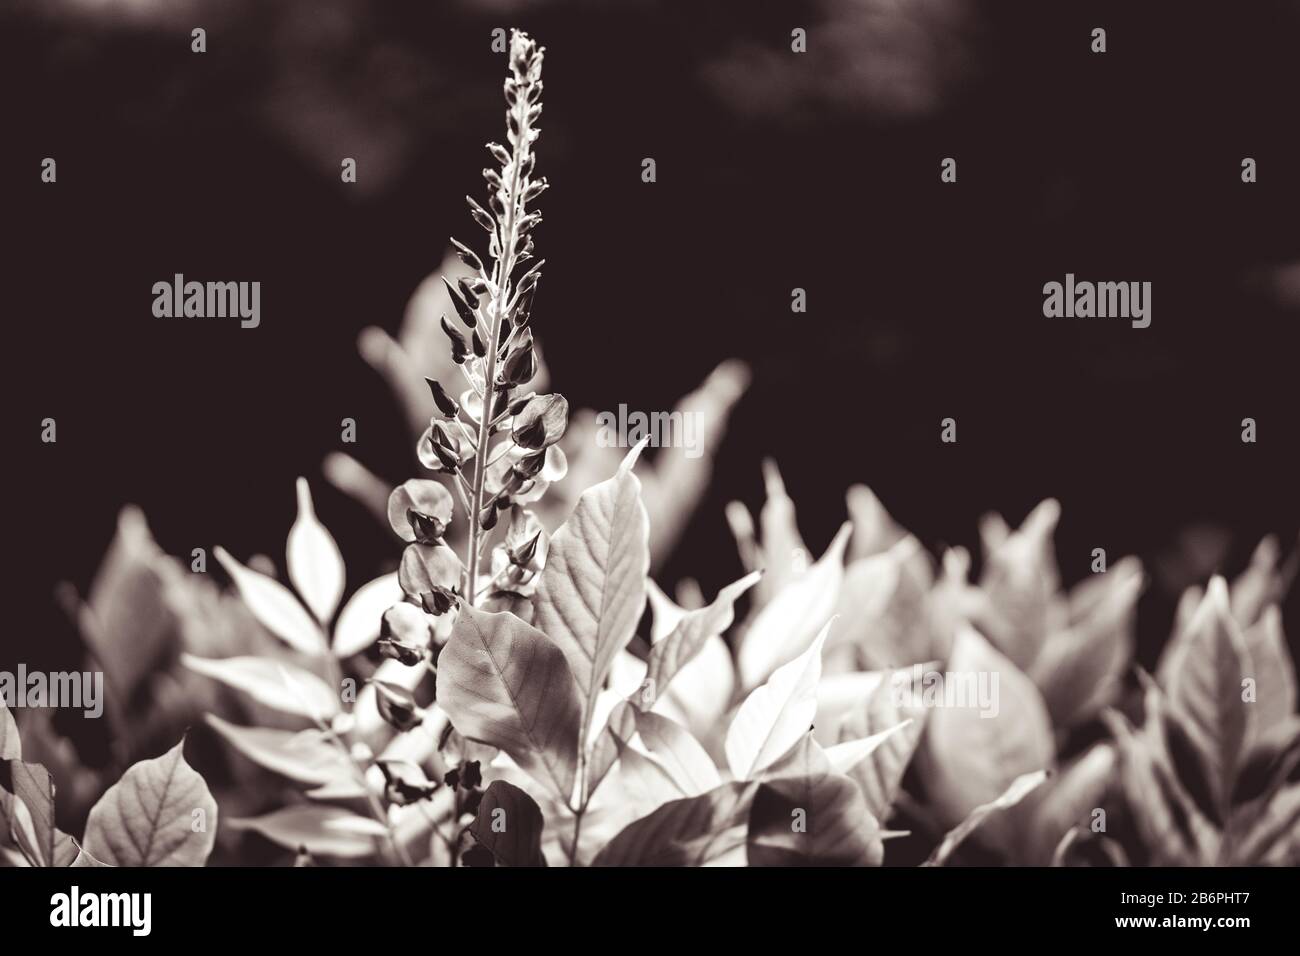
x,y
592,591
27,800
159,814
275,684
358,623
688,832
1020,577
988,726
503,683
775,716
315,564
1273,670
274,606
509,824
785,627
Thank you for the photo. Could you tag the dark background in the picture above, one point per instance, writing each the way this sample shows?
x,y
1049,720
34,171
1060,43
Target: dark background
x,y
775,170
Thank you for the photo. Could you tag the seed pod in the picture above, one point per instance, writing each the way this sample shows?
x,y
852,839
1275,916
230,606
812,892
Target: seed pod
x,y
459,350
462,307
523,310
467,255
481,215
499,153
446,404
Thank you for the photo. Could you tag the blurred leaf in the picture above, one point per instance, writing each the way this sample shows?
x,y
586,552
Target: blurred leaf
x,y
278,685
502,682
323,830
1019,789
974,753
1020,577
1205,689
1067,800
305,755
159,814
315,563
358,623
777,714
275,607
509,824
784,628
11,747
592,590
27,803
1274,672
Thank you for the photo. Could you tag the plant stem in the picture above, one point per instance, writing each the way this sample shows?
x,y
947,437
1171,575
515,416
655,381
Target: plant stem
x,y
505,264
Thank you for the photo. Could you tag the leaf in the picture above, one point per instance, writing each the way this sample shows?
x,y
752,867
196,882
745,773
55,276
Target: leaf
x,y
776,715
688,636
323,830
1205,688
815,818
880,774
304,756
847,754
1079,670
687,832
1019,789
882,602
681,757
358,624
27,800
315,563
274,606
503,683
1020,577
1273,670
278,685
1068,800
988,726
592,591
785,627
509,824
148,817
11,747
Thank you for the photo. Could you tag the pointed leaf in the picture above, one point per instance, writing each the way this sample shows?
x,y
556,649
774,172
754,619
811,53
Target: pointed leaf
x,y
783,629
159,814
305,756
1019,789
315,563
27,799
274,606
503,683
323,830
592,591
1273,670
11,747
688,832
776,715
881,773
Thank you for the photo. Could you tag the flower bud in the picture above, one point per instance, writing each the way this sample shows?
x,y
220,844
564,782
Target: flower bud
x,y
446,404
499,153
541,422
521,365
481,215
477,344
468,256
462,307
459,350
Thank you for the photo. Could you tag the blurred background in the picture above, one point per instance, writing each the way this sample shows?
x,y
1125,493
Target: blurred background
x,y
775,170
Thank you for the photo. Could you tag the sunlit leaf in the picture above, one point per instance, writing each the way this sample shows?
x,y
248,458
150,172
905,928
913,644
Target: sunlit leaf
x,y
896,721
159,814
358,623
275,684
323,830
315,563
305,756
274,606
1017,791
11,747
687,832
